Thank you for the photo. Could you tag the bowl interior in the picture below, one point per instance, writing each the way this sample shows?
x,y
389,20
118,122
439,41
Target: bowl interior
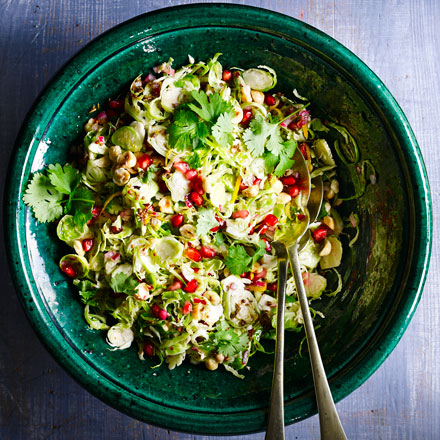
x,y
373,273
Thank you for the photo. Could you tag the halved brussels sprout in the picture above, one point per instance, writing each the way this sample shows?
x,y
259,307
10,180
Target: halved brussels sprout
x,y
68,231
95,321
323,152
79,264
168,249
334,258
263,79
127,138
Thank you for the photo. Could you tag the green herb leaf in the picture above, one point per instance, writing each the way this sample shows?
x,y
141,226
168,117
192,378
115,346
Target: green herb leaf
x,y
219,239
229,341
238,261
285,158
64,179
123,283
206,221
194,161
43,198
211,109
222,130
149,174
88,292
80,205
261,250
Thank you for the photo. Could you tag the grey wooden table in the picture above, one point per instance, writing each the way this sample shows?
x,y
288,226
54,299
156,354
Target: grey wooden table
x,y
399,40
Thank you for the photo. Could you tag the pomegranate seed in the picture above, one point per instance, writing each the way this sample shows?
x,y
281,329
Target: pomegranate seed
x,y
244,275
101,117
176,220
68,270
259,283
115,230
96,210
300,217
116,104
227,75
256,181
320,233
207,252
163,314
144,161
199,301
163,186
187,202
155,309
271,220
243,186
294,191
197,185
247,116
190,174
176,285
149,349
272,287
183,167
87,244
261,274
187,308
262,230
305,150
243,213
193,254
191,287
289,181
268,245
270,100
196,198
215,229
196,269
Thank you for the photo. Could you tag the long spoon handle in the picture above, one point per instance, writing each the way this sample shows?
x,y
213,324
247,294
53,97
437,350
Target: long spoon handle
x,y
330,425
275,426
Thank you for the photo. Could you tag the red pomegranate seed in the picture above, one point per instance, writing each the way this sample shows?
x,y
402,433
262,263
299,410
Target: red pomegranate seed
x,y
256,181
244,275
270,100
243,213
261,274
87,244
187,307
176,285
271,220
144,161
227,75
243,186
163,314
176,220
115,230
196,198
191,287
247,116
288,181
187,202
294,191
149,349
262,229
207,252
190,174
272,287
96,210
215,229
116,104
199,301
197,185
320,233
258,283
183,167
268,245
193,254
300,217
305,151
68,270
155,310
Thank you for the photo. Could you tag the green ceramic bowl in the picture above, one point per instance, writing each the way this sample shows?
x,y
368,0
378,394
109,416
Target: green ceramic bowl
x,y
383,276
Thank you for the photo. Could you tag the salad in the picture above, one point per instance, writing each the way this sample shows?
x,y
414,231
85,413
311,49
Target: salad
x,y
171,204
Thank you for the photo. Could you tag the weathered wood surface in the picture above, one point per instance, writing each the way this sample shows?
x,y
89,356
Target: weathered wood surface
x,y
399,40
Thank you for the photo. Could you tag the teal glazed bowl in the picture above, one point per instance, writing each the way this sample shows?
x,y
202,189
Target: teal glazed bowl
x,y
382,276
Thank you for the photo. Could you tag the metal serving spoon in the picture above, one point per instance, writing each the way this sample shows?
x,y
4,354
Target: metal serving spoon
x,y
286,247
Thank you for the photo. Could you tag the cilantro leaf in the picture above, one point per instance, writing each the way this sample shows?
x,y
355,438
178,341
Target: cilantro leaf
x,y
237,260
206,221
194,161
123,283
211,109
219,239
80,205
286,161
64,179
183,129
43,198
88,292
261,250
222,130
229,341
149,174
270,160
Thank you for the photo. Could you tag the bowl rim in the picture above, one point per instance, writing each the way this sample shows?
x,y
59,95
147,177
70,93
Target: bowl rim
x,y
140,28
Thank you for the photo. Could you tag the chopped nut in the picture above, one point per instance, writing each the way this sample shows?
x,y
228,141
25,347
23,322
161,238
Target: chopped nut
x,y
126,159
246,94
257,96
329,222
77,245
252,191
166,205
187,231
211,364
238,116
121,176
337,202
334,186
327,206
283,198
212,297
219,358
102,162
326,249
277,186
113,152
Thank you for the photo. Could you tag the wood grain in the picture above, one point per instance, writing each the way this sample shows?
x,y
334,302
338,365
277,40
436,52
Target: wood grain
x,y
399,40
